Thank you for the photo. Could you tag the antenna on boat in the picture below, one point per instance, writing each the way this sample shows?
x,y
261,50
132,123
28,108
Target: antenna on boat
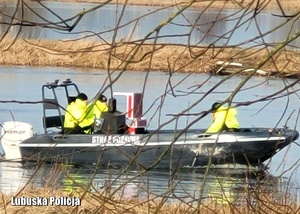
x,y
112,104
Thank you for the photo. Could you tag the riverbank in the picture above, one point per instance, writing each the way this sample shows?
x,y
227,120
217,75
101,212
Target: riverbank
x,y
128,56
163,57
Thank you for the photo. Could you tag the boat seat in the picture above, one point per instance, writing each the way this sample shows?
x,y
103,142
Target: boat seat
x,y
53,121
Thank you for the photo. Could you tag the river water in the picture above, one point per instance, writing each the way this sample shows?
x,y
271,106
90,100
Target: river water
x,y
194,26
21,84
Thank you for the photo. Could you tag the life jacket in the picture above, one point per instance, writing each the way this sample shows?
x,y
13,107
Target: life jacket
x,y
224,118
99,107
76,115
69,121
231,119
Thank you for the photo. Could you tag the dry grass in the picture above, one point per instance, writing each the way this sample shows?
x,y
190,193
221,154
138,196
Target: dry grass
x,y
131,56
103,203
128,56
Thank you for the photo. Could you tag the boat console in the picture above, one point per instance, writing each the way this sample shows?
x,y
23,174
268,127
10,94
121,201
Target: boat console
x,y
112,121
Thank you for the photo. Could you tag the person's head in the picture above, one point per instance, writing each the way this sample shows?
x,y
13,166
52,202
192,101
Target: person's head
x,y
215,106
82,97
102,98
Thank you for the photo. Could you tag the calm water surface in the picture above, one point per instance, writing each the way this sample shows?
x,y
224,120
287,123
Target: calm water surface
x,y
194,26
160,103
20,84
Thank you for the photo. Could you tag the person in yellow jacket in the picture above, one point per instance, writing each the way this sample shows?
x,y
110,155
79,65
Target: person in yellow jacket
x,y
223,119
77,119
100,106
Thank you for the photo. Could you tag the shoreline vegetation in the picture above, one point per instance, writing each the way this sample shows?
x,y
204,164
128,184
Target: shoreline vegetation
x,y
161,57
84,201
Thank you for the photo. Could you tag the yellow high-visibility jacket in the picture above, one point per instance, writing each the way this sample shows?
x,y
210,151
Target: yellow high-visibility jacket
x,y
99,107
223,118
76,114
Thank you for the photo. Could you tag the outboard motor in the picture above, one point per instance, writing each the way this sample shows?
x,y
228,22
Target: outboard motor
x,y
12,134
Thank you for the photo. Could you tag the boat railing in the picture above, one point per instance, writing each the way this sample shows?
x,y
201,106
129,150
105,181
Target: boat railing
x,y
53,112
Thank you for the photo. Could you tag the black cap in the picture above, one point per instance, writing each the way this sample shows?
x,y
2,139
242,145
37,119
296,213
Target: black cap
x,y
215,106
82,96
102,98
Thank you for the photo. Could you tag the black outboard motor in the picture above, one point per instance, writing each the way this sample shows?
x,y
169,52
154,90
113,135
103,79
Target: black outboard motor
x,y
111,122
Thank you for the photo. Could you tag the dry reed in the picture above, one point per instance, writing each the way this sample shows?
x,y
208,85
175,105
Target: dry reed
x,y
103,203
165,57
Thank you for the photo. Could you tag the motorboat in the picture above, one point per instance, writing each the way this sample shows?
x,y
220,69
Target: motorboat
x,y
121,139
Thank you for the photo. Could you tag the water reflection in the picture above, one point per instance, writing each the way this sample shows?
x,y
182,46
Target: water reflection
x,y
129,184
13,177
219,186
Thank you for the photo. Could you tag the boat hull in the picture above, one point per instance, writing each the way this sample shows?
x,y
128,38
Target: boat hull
x,y
164,149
